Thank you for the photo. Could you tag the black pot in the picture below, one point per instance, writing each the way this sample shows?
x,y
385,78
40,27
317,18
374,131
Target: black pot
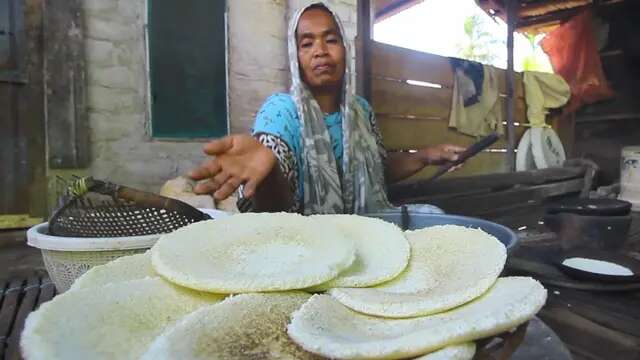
x,y
585,231
592,207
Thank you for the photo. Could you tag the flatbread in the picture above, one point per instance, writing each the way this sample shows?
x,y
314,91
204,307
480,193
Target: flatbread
x,y
253,252
126,268
449,266
247,326
382,251
328,328
117,322
464,351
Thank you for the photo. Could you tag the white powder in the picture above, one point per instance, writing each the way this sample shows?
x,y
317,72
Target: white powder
x,y
597,266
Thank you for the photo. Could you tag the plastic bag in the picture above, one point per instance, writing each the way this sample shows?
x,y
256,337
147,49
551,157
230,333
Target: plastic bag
x,y
573,52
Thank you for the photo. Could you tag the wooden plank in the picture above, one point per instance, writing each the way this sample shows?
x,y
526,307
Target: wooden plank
x,y
9,153
67,122
402,64
481,164
486,203
8,310
412,117
611,311
393,97
565,126
387,8
363,48
510,160
492,182
478,204
22,150
32,111
405,64
21,221
415,133
27,305
47,291
586,337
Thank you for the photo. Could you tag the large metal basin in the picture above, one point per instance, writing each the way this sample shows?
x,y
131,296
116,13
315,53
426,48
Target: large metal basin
x,y
417,220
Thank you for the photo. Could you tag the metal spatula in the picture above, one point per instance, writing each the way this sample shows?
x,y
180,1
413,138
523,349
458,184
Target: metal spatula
x,y
472,150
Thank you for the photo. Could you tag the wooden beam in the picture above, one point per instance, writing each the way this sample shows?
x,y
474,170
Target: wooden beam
x,y
548,6
18,221
487,203
512,6
384,9
364,53
65,73
489,182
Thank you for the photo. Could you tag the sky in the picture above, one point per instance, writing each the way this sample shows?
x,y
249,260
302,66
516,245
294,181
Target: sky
x,y
423,28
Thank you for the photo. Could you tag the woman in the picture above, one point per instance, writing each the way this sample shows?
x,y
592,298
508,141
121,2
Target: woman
x,y
323,137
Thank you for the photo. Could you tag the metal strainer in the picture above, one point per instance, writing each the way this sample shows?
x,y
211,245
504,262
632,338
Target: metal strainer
x,y
95,208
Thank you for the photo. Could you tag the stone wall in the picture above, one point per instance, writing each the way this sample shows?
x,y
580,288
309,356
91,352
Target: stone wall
x,y
122,149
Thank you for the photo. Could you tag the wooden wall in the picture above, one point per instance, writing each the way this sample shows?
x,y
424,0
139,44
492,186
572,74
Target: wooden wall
x,y
22,125
411,116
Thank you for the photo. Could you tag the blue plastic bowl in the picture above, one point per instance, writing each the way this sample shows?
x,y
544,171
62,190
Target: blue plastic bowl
x,y
421,220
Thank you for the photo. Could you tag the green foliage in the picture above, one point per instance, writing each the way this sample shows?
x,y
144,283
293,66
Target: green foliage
x,y
480,45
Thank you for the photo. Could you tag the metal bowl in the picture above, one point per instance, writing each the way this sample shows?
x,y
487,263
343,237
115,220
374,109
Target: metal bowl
x,y
416,220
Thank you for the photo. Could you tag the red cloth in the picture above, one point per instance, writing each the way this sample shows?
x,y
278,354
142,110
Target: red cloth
x,y
573,52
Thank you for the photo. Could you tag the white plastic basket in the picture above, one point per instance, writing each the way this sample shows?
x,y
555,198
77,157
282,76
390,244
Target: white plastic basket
x,y
67,258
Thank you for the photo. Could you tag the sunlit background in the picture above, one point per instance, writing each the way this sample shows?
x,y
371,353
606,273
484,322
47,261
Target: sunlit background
x,y
459,28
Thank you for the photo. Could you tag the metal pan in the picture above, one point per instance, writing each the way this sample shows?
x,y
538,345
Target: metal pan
x,y
619,258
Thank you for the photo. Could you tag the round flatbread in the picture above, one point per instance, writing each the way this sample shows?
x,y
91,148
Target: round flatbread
x,y
328,328
449,266
253,252
247,326
117,322
126,268
464,351
382,251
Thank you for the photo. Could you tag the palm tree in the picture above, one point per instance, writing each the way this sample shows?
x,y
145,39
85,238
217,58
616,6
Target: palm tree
x,y
479,45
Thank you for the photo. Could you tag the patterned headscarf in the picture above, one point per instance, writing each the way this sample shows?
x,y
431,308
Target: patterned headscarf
x,y
361,188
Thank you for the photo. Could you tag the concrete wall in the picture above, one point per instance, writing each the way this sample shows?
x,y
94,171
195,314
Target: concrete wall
x,y
122,150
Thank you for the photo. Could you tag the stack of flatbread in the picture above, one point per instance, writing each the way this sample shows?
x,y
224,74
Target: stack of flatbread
x,y
286,286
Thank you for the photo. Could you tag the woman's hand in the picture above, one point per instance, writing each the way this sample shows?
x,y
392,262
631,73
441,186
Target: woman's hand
x,y
237,160
440,154
400,165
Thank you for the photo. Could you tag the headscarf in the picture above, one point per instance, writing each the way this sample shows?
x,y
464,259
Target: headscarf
x,y
362,185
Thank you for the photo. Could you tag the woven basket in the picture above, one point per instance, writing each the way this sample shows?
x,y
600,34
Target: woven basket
x,y
64,267
67,258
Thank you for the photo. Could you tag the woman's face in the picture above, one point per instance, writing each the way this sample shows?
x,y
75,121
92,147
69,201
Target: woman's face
x,y
320,50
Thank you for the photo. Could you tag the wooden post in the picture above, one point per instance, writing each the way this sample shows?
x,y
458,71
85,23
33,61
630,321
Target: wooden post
x,y
363,46
512,6
65,85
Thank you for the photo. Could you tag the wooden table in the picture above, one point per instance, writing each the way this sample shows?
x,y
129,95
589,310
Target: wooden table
x,y
18,298
593,324
23,293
